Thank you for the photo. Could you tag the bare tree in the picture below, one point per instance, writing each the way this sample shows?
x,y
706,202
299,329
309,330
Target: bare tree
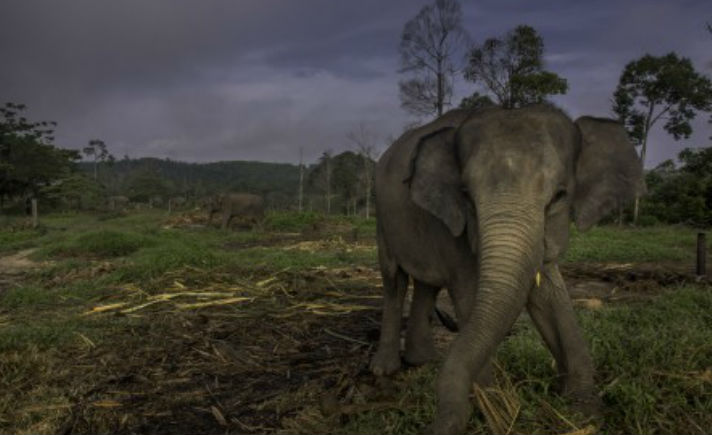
x,y
428,47
326,159
365,147
97,149
301,178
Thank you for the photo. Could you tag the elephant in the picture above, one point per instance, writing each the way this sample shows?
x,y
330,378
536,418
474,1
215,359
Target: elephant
x,y
176,202
244,205
118,202
155,201
479,202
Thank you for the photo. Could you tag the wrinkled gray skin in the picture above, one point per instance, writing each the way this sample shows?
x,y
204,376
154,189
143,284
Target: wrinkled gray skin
x,y
479,202
118,202
242,205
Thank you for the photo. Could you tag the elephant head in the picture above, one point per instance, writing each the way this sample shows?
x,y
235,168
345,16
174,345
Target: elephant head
x,y
510,180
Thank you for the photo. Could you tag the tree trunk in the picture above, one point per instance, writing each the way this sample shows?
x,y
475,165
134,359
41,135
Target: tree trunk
x,y
643,149
328,186
301,180
95,169
620,215
367,173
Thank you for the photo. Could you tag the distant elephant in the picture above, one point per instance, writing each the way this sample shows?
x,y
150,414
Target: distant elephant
x,y
479,202
118,202
155,201
176,202
242,205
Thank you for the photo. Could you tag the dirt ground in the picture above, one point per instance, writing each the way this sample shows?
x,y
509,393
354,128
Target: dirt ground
x,y
295,361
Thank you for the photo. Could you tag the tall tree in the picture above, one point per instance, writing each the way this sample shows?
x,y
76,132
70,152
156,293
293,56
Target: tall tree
x,y
510,68
365,143
665,88
428,47
97,149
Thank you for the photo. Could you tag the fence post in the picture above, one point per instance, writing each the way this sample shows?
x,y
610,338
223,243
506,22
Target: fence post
x,y
701,254
35,220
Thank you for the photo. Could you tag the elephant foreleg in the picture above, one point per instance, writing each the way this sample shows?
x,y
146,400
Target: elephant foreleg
x,y
462,297
227,216
387,357
419,345
551,310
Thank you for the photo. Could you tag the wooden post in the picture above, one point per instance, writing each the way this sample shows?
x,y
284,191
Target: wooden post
x,y
35,220
701,254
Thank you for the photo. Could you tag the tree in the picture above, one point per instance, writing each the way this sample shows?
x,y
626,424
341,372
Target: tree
x,y
681,194
652,89
97,148
511,69
75,190
428,45
320,177
366,149
476,101
146,183
28,159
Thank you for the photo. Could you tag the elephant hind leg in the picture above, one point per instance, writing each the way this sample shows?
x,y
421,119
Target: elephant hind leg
x,y
552,312
386,360
419,344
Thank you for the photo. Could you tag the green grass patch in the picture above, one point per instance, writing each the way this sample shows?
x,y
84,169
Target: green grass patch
x,y
621,244
653,360
102,244
15,240
290,221
171,250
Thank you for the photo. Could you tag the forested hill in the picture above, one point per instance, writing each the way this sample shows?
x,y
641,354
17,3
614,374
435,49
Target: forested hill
x,y
152,176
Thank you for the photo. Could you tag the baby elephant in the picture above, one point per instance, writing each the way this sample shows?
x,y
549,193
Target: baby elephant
x,y
242,205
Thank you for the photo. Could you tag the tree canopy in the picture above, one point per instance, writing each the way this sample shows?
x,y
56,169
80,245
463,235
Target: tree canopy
x,y
510,69
664,88
28,159
681,193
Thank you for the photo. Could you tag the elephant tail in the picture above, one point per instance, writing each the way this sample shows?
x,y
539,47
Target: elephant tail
x,y
446,320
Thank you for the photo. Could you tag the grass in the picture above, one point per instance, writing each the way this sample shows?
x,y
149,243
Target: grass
x,y
618,244
100,244
654,358
654,367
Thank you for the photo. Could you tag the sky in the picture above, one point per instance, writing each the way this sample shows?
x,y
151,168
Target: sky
x,y
212,80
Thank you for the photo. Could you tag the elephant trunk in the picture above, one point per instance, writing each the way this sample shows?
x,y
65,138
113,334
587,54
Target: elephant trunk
x,y
511,251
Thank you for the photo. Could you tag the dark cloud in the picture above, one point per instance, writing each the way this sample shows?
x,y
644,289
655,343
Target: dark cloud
x,y
259,79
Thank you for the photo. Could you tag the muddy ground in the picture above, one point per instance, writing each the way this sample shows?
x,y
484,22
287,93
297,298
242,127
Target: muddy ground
x,y
293,359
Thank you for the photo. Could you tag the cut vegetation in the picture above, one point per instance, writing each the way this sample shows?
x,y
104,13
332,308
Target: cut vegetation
x,y
148,323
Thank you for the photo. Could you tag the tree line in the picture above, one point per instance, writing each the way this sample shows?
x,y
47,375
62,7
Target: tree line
x,y
31,166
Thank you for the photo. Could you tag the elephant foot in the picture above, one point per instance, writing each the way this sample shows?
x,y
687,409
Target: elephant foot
x,y
420,352
385,362
588,404
449,422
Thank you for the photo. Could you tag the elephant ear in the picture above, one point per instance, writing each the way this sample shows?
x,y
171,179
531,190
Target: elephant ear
x,y
435,179
608,170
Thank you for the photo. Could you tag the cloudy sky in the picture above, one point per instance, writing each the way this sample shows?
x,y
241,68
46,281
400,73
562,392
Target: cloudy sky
x,y
216,80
